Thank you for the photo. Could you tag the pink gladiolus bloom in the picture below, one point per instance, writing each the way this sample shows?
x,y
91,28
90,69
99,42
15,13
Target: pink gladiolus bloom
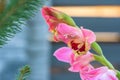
x,y
64,29
66,54
102,73
82,64
77,39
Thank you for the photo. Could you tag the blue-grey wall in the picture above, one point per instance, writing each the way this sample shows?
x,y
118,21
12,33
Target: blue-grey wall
x,y
85,2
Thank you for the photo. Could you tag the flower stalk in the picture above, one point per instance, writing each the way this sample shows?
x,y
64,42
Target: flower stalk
x,y
79,41
103,61
118,74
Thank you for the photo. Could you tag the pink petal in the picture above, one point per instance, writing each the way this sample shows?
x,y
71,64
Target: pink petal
x,y
77,68
80,62
89,35
109,75
102,73
63,54
67,32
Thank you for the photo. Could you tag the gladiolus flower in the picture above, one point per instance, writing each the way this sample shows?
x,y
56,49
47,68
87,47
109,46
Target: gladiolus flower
x,y
64,29
77,39
102,73
82,65
54,17
66,54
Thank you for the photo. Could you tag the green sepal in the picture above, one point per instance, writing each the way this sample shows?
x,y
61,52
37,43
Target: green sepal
x,y
103,61
67,19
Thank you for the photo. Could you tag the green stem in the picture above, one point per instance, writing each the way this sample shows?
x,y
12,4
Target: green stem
x,y
107,63
104,61
118,74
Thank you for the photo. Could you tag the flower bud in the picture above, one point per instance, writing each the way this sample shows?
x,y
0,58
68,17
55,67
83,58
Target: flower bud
x,y
54,17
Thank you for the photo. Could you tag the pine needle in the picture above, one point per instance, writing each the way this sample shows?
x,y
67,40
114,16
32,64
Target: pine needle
x,y
15,14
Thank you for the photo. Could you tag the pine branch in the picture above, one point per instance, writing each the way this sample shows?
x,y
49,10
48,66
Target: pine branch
x,y
2,5
15,14
24,72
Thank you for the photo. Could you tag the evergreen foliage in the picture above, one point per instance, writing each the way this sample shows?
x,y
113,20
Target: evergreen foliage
x,y
15,13
24,73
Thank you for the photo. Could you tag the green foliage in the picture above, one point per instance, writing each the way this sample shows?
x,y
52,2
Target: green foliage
x,y
16,12
24,72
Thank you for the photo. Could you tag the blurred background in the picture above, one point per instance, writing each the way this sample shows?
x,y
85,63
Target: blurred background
x,y
34,46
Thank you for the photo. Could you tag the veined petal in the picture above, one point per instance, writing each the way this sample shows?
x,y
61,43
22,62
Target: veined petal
x,y
87,58
101,73
63,54
79,62
67,32
89,35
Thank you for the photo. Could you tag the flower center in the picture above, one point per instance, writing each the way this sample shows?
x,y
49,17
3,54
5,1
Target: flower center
x,y
80,47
